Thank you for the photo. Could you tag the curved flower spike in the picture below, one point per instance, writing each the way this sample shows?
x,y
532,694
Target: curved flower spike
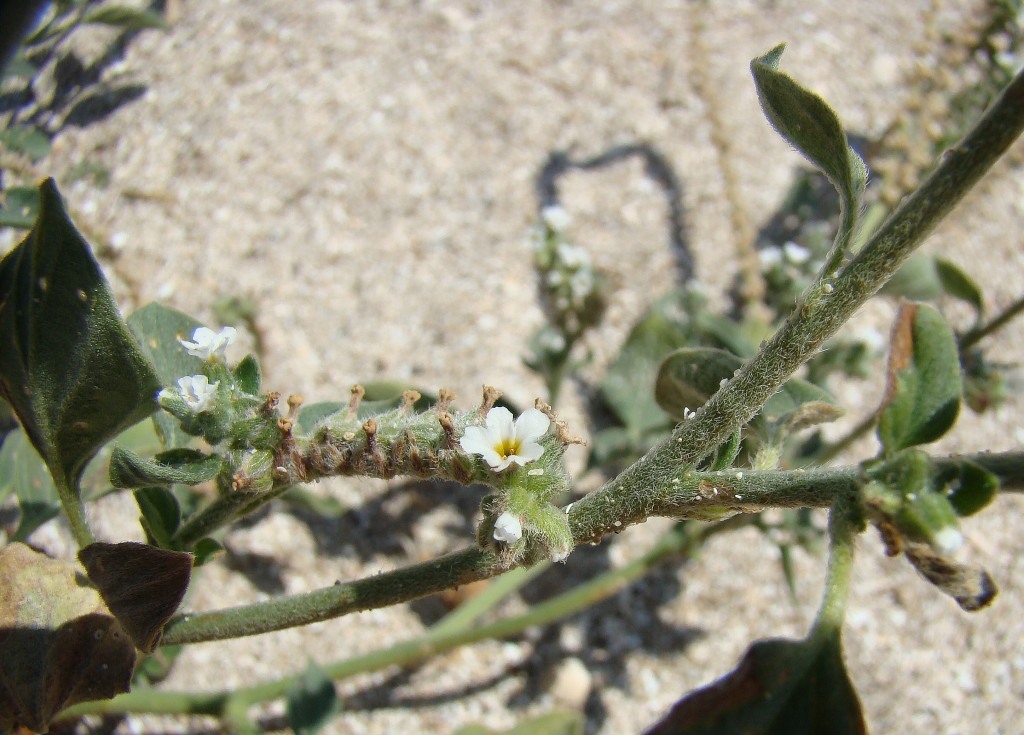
x,y
210,345
502,442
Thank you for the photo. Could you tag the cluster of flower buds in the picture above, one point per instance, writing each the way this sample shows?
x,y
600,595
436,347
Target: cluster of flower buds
x,y
570,285
262,448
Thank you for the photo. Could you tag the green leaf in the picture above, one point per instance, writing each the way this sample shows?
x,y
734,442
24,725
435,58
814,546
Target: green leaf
x,y
68,365
925,277
21,207
689,376
128,18
917,279
957,283
781,687
977,487
310,415
809,124
22,472
311,702
161,514
628,385
26,140
923,389
205,550
184,466
248,375
158,330
384,395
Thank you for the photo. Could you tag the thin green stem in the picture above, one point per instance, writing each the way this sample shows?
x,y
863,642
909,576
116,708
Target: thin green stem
x,y
972,337
74,509
680,542
844,523
463,616
708,495
223,510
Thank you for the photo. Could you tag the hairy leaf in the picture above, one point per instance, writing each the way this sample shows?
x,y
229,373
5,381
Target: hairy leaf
x,y
185,466
68,365
923,389
809,124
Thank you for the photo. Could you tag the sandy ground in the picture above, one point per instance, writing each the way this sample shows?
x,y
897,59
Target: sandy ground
x,y
364,172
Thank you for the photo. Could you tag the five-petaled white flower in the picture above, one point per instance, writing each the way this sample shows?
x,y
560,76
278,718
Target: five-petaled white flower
x,y
507,528
197,391
502,442
209,345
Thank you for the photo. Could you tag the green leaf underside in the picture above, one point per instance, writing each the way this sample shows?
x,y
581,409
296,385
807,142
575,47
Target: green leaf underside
x,y
68,365
923,396
809,124
185,466
781,687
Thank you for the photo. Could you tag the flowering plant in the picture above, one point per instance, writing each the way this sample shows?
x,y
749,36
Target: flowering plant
x,y
711,441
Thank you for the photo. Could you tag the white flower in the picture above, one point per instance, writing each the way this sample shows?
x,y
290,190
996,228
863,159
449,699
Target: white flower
x,y
507,528
555,217
573,256
796,254
503,442
197,391
769,256
581,283
209,345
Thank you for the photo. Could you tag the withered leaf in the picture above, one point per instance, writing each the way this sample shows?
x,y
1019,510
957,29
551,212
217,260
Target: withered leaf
x,y
141,584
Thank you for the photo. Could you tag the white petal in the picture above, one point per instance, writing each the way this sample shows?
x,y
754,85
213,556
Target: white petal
x,y
499,422
528,452
532,424
501,464
507,528
476,440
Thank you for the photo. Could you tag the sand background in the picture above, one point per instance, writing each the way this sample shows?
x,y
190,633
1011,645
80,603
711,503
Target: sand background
x,y
364,173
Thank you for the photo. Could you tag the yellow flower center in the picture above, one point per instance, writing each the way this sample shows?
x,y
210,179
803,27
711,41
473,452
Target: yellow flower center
x,y
508,447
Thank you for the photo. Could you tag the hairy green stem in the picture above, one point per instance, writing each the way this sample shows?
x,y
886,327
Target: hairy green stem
x,y
226,508
844,523
74,509
694,496
681,541
820,312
